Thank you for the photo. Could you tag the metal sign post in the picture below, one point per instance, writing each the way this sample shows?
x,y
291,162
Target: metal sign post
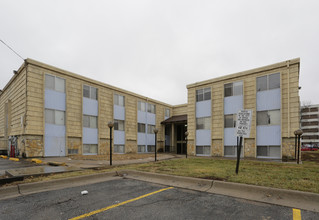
x,y
243,124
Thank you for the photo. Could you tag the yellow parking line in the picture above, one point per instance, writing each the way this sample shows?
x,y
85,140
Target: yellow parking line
x,y
296,215
119,204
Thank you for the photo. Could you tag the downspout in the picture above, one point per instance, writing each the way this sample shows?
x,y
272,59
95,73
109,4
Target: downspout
x,y
25,112
288,69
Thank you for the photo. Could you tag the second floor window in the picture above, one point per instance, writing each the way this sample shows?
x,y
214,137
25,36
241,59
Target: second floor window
x,y
150,129
230,121
271,117
89,92
203,123
118,125
141,128
203,94
89,121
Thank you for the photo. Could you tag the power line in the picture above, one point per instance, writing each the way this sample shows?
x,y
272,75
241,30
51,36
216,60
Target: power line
x,y
12,49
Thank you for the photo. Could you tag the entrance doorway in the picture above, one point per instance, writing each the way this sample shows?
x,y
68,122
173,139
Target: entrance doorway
x,y
180,138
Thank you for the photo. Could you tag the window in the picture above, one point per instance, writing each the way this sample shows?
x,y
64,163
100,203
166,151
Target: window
x,y
202,150
141,148
73,151
119,100
268,151
54,117
151,108
141,106
89,92
89,121
54,83
231,151
150,148
119,149
118,125
203,94
268,82
203,123
233,89
230,121
141,128
150,129
90,149
167,113
271,117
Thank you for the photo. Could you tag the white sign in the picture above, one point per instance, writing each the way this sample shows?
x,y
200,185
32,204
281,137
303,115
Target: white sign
x,y
243,123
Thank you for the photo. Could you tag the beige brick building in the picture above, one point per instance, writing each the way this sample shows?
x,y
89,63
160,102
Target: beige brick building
x,y
46,111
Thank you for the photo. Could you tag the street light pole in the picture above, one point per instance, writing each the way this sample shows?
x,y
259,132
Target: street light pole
x,y
298,133
110,125
186,134
155,132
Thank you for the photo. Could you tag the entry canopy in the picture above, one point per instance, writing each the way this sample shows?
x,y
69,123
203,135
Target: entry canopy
x,y
175,119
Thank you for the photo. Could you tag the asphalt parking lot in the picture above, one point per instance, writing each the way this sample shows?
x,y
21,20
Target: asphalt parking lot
x,y
133,199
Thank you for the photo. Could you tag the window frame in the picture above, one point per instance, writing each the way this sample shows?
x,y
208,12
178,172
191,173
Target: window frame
x,y
204,93
117,98
232,86
90,92
204,123
54,88
203,146
151,108
91,145
268,82
141,125
116,148
139,106
167,112
268,151
89,121
54,117
234,120
118,124
150,129
258,115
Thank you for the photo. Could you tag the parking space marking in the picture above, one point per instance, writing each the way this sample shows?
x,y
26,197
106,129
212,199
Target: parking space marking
x,y
296,214
119,204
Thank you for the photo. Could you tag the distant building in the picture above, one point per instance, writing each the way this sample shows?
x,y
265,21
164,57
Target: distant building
x,y
46,111
310,125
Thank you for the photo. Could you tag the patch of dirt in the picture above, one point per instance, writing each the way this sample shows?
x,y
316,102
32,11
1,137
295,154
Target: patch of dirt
x,y
310,156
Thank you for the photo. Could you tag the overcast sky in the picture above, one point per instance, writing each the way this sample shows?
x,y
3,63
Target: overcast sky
x,y
156,48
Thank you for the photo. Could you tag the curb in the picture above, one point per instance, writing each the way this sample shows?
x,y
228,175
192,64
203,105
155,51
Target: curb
x,y
14,159
36,187
289,198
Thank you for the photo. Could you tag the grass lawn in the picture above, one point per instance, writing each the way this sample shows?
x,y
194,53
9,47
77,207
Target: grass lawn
x,y
303,177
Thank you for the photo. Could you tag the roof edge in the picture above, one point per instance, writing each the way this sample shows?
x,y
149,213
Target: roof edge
x,y
246,72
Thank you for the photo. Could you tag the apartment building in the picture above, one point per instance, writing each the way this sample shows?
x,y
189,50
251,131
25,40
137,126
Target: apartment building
x,y
46,111
310,125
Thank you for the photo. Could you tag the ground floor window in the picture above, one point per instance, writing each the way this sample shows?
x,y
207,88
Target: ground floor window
x,y
203,150
231,151
90,149
119,149
73,151
145,149
269,151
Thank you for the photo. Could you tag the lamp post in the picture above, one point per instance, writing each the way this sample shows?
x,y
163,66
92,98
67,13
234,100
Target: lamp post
x,y
186,134
110,124
298,133
155,132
